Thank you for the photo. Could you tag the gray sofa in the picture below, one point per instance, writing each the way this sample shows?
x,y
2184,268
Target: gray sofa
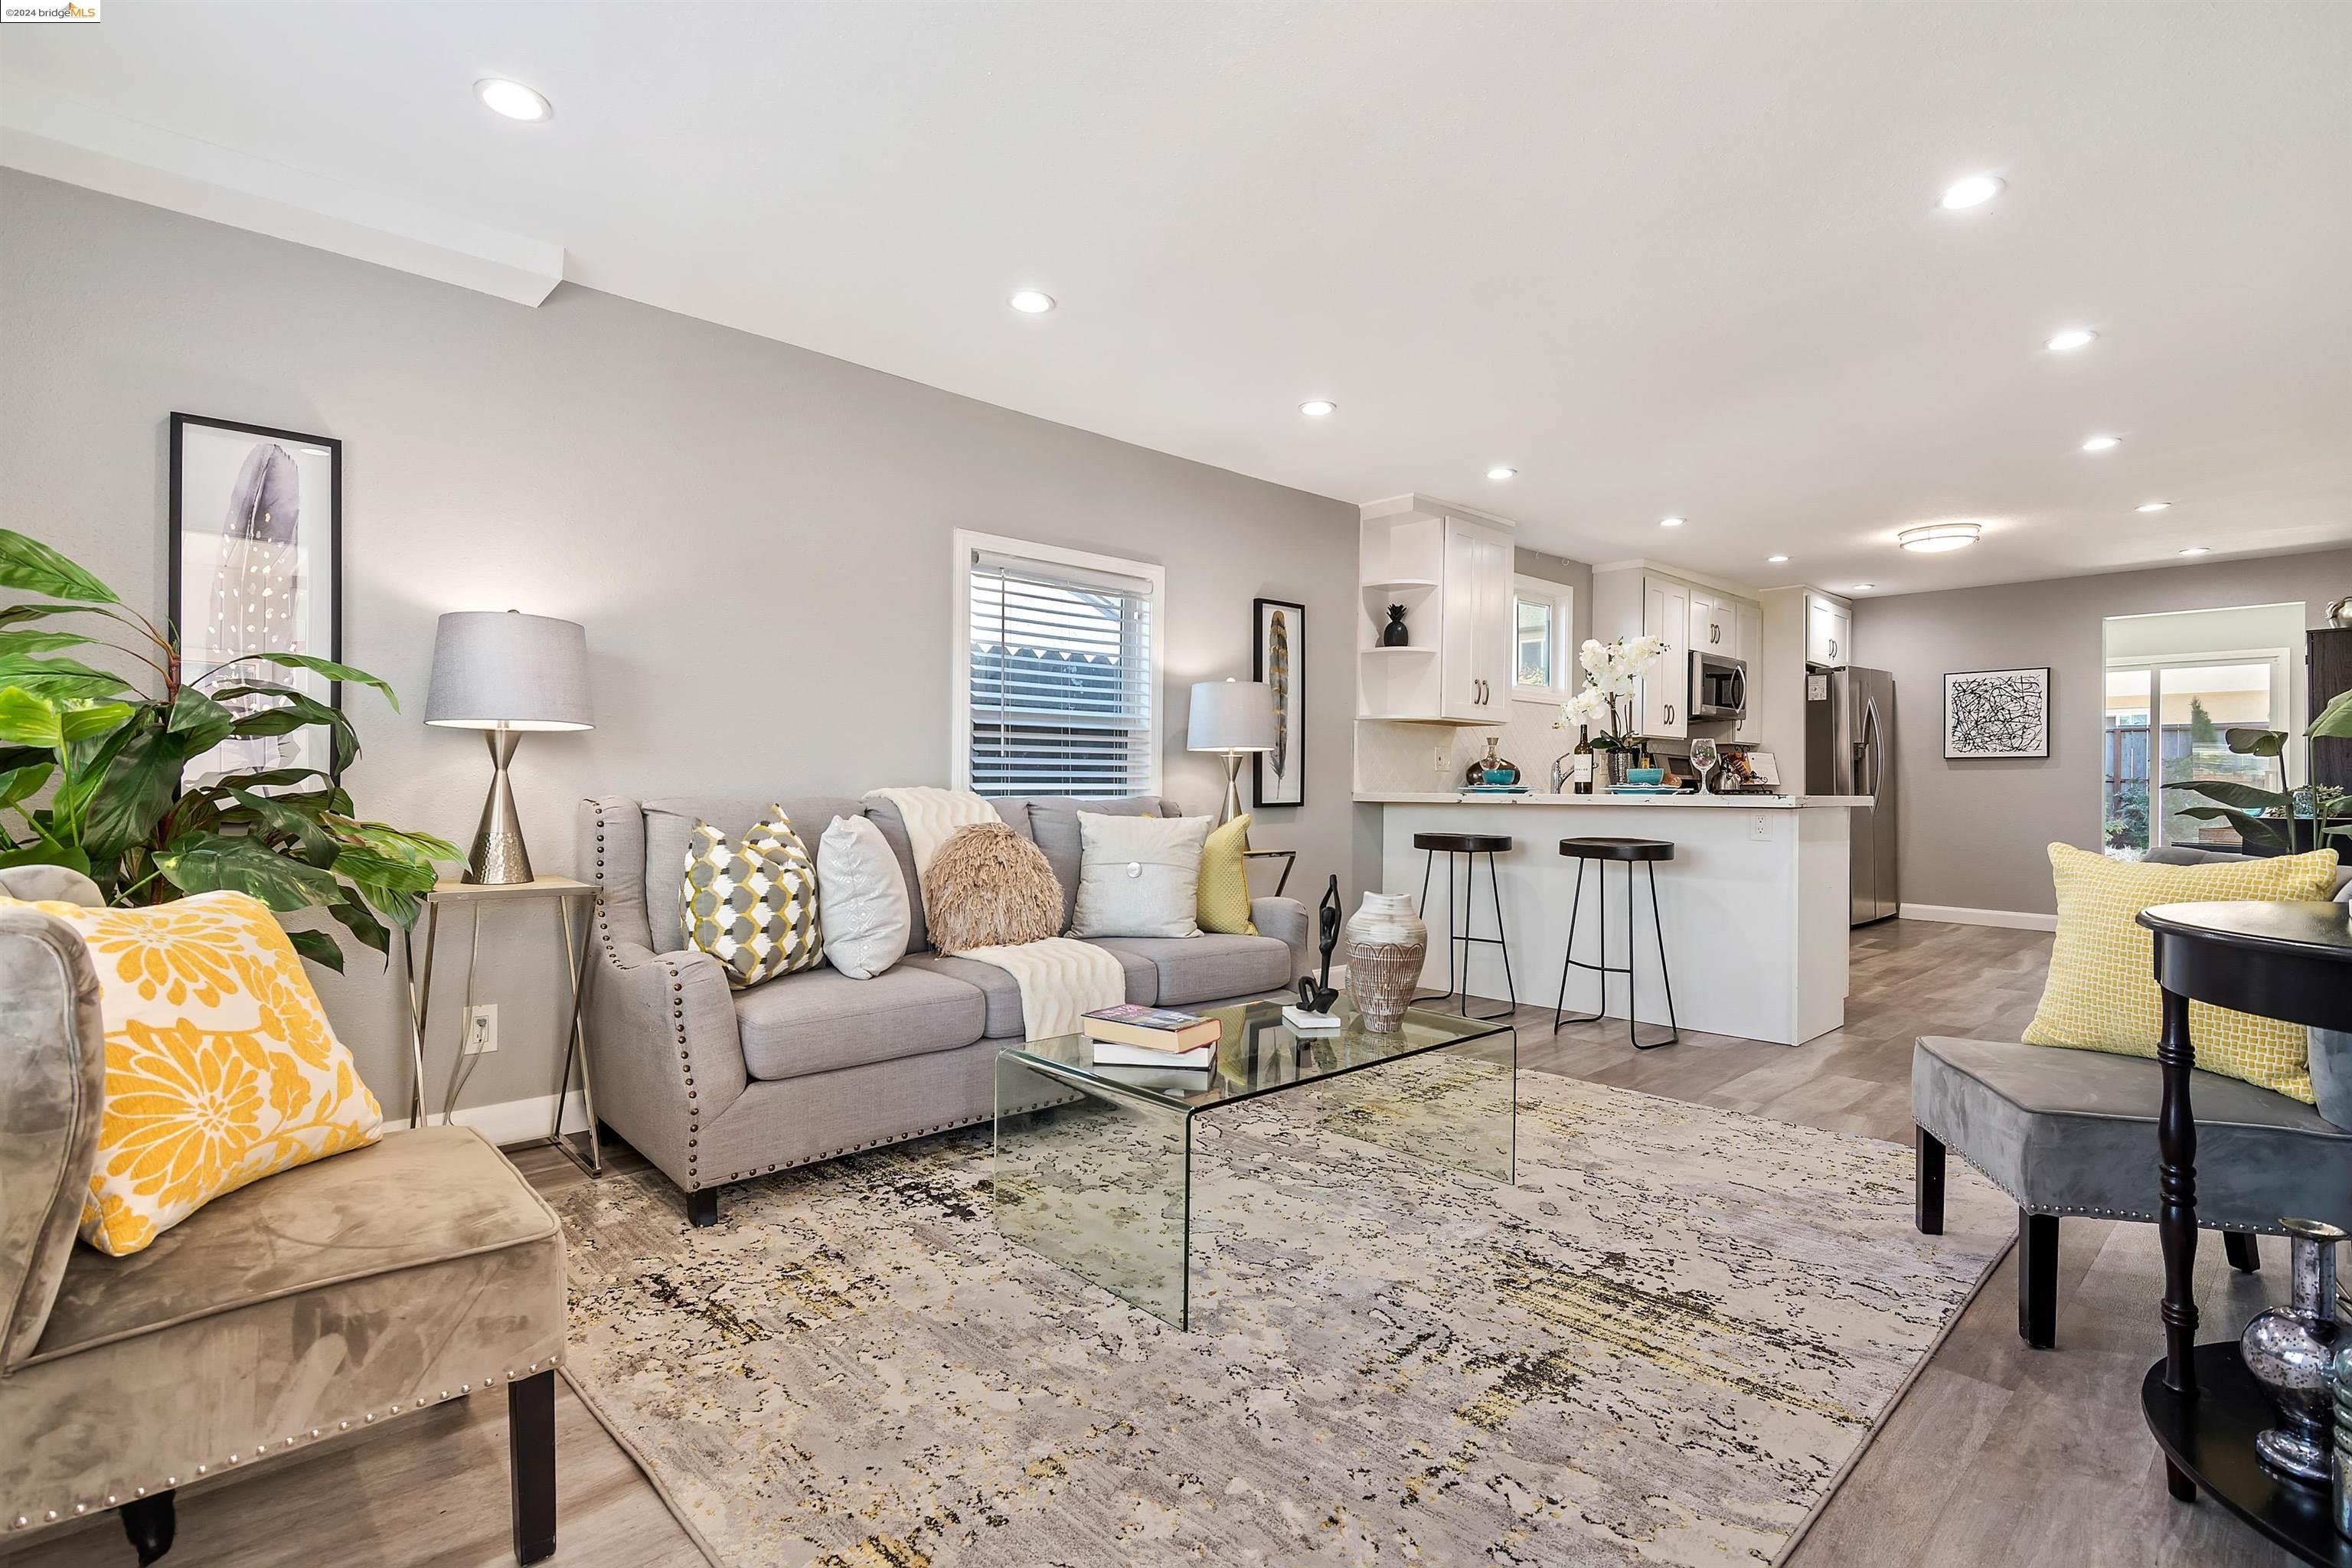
x,y
716,1086
2074,1132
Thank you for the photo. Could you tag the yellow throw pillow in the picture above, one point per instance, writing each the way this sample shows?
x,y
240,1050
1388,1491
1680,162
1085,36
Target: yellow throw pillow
x,y
220,1064
2101,994
1224,901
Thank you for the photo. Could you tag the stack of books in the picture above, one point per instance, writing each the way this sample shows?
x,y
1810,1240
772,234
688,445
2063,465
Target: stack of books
x,y
1154,1047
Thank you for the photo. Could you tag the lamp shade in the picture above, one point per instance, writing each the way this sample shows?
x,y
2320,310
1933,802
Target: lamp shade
x,y
1230,716
494,669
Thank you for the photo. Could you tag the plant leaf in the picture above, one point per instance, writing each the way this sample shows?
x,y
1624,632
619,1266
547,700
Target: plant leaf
x,y
396,905
17,784
2256,742
28,719
328,668
199,721
58,677
419,849
2335,720
316,846
270,777
46,855
295,710
39,642
366,869
318,947
15,612
135,790
206,862
32,567
362,924
88,720
2227,792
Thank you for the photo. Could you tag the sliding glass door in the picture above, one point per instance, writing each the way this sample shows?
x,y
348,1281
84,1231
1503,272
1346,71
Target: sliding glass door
x,y
2167,722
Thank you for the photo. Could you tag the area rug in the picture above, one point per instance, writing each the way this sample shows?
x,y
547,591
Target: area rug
x,y
1663,1344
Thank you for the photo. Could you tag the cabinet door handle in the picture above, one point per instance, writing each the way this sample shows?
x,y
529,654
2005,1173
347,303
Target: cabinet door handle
x,y
1670,712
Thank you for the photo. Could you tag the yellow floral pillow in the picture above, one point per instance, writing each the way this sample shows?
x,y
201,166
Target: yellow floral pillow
x,y
220,1065
2101,994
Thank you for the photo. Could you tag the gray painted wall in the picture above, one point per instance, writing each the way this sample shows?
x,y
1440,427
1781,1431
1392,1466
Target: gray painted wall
x,y
756,537
1974,832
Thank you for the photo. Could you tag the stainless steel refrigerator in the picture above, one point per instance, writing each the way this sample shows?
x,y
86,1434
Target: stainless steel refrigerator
x,y
1849,749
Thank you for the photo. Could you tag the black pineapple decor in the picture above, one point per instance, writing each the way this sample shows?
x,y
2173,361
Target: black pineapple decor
x,y
1393,634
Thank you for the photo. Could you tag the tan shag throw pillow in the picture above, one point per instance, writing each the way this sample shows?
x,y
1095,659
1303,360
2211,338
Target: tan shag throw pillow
x,y
989,887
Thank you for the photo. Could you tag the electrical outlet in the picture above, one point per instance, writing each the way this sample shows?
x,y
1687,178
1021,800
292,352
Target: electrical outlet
x,y
1760,827
481,1028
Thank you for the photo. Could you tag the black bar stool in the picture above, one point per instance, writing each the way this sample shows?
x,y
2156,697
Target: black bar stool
x,y
1626,852
1467,846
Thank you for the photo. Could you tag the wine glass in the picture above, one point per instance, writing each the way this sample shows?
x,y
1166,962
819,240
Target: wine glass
x,y
1704,754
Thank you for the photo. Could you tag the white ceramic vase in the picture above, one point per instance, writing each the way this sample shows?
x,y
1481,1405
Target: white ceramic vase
x,y
1386,944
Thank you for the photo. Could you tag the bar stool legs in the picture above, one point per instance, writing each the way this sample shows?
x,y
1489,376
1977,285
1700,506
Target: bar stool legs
x,y
1605,969
1458,925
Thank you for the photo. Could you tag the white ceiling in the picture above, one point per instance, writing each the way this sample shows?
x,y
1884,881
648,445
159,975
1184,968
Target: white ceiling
x,y
1662,258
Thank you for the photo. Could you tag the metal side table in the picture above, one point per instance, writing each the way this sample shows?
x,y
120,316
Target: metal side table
x,y
2287,961
563,890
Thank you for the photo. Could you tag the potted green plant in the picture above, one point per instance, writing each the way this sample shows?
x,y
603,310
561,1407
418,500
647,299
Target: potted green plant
x,y
2285,820
91,766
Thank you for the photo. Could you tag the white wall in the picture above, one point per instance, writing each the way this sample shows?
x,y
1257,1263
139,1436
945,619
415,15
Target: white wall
x,y
756,537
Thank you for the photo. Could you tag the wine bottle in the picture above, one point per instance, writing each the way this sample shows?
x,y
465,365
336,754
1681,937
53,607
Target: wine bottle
x,y
1583,763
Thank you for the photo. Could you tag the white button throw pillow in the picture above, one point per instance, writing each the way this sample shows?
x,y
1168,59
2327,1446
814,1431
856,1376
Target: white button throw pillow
x,y
867,914
1138,876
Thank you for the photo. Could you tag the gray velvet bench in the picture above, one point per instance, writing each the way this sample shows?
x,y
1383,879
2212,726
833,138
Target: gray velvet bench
x,y
2074,1132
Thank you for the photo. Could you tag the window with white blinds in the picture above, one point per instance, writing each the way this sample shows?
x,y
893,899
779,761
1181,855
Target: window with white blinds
x,y
1058,673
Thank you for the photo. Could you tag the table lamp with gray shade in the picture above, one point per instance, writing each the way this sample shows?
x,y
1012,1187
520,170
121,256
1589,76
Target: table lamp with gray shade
x,y
1236,718
505,673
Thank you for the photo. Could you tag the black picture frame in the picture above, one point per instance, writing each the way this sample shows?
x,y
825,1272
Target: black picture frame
x,y
323,570
1279,777
2041,736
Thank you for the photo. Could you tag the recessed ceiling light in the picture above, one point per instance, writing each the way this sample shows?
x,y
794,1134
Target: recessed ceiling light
x,y
1972,191
1864,587
1029,303
1775,560
512,99
2152,506
1670,522
1500,472
1317,407
1931,537
2198,550
2103,443
2070,340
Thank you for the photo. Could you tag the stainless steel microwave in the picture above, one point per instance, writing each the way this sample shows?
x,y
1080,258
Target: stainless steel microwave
x,y
1719,686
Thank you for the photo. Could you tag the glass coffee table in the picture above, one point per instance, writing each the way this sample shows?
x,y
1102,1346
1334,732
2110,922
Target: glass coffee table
x,y
1093,1164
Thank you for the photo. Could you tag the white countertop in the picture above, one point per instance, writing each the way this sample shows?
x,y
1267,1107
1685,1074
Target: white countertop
x,y
1680,801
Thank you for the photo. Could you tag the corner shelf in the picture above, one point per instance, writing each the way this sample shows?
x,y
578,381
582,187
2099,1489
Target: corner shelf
x,y
1393,652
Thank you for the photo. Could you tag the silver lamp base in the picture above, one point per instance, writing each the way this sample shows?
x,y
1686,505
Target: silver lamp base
x,y
498,858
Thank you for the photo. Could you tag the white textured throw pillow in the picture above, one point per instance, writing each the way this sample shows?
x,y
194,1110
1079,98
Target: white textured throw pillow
x,y
867,913
1138,876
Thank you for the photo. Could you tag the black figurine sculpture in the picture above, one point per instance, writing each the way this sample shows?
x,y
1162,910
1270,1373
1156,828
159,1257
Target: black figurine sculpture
x,y
1317,995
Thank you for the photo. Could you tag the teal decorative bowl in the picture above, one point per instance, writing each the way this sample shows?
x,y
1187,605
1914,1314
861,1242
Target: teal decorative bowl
x,y
1646,775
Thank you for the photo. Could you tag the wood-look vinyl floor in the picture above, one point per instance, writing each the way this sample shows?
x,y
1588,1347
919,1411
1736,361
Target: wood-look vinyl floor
x,y
1999,1456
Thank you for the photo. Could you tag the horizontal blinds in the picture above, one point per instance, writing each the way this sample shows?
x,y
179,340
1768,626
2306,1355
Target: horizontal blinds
x,y
1060,672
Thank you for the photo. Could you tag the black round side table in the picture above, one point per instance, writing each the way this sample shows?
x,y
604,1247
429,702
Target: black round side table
x,y
2286,960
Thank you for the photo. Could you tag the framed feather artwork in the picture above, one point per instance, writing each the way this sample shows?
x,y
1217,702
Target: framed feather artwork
x,y
1278,777
256,567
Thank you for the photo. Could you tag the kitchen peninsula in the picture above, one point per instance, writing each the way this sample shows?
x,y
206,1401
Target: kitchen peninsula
x,y
1752,909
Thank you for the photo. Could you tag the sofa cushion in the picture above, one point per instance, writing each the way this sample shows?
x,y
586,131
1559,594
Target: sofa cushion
x,y
2069,1132
823,1019
1003,992
885,815
669,824
751,901
1194,968
1053,825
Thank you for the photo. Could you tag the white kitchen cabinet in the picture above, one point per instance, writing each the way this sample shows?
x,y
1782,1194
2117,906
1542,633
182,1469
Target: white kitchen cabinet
x,y
1662,696
1477,609
1829,635
1452,575
1714,627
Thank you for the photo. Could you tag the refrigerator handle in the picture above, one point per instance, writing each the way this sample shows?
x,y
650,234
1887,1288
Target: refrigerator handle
x,y
1866,752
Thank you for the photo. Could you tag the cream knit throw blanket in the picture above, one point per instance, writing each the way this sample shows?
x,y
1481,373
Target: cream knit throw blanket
x,y
1059,979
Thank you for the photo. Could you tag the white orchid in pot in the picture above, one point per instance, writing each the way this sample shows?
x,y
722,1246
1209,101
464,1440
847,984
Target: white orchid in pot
x,y
1610,671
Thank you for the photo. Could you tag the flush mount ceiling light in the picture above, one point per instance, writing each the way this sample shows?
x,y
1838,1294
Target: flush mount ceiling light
x,y
1317,407
2103,443
512,99
1031,302
1670,522
1775,560
2070,340
1499,472
1930,537
1971,191
2152,506
1864,587
2198,550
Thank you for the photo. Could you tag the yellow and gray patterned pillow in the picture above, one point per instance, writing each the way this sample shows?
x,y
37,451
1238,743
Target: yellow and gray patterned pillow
x,y
752,906
2101,994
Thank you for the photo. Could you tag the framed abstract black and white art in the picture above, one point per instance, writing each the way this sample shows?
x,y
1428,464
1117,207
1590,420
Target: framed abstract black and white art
x,y
1278,657
256,567
1997,713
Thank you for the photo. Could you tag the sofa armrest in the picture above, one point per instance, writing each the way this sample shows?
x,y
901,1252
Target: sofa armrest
x,y
666,1051
53,1089
1290,922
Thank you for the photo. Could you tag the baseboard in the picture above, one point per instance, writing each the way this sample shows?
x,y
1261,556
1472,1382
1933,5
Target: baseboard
x,y
1954,915
512,1121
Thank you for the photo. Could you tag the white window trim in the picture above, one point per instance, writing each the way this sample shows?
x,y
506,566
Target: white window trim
x,y
1562,600
960,635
